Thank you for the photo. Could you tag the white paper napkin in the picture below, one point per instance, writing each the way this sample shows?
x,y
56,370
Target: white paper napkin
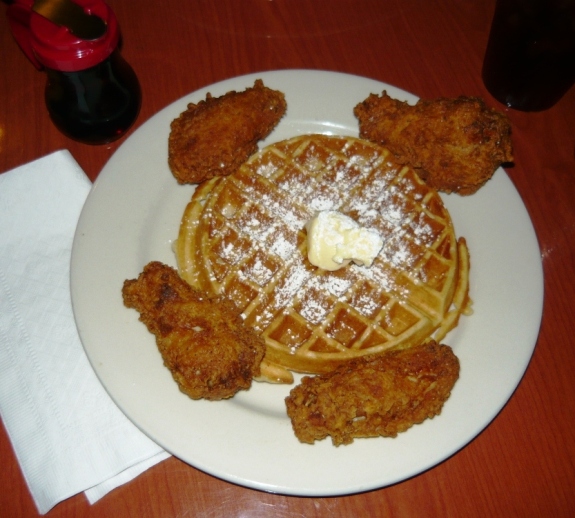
x,y
66,432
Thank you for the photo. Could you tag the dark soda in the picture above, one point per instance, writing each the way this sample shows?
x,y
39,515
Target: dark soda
x,y
530,58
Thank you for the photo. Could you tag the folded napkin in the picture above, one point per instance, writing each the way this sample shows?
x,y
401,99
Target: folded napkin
x,y
66,432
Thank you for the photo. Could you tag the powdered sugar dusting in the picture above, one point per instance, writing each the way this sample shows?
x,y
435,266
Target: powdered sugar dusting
x,y
297,274
281,246
263,232
311,307
365,304
331,283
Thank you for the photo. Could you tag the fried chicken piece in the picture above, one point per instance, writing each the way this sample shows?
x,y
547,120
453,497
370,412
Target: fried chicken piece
x,y
374,396
216,136
455,145
203,340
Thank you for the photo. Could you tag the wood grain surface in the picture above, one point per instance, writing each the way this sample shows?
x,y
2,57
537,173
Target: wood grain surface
x,y
523,463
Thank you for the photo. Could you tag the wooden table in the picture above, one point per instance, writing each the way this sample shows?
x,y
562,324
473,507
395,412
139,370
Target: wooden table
x,y
523,464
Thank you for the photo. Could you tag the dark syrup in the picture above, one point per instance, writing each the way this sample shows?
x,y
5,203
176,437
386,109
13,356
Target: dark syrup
x,y
96,105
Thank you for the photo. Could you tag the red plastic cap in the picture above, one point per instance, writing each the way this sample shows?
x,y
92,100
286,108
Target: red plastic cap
x,y
57,48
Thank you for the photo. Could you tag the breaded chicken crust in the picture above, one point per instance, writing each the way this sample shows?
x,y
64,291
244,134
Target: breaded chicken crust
x,y
217,135
203,340
374,396
455,145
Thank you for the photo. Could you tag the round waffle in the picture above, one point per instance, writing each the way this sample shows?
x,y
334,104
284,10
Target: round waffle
x,y
244,236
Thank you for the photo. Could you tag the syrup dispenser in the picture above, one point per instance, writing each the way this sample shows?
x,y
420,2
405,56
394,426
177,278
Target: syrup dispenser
x,y
92,94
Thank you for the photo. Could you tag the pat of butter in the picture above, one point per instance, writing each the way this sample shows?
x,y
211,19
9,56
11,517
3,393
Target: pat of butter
x,y
334,240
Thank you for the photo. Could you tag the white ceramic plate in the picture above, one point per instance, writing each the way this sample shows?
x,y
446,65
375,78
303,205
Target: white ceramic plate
x,y
132,216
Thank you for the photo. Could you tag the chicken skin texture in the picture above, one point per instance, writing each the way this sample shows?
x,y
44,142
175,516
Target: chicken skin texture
x,y
203,340
455,145
374,396
217,135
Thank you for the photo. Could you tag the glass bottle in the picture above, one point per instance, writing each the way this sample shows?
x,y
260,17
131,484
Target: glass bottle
x,y
529,63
